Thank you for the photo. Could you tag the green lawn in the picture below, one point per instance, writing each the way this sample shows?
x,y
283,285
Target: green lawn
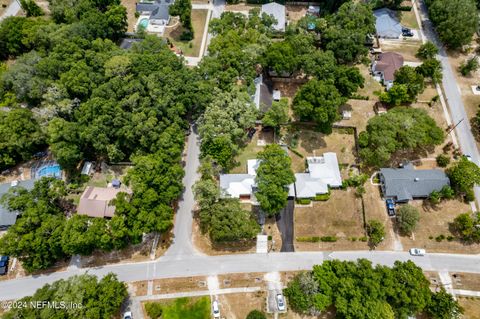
x,y
408,19
190,48
187,308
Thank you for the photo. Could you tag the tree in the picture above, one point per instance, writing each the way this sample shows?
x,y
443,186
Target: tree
x,y
464,174
277,114
183,9
274,175
154,310
407,218
443,306
318,101
432,69
397,95
414,81
376,232
281,58
465,226
31,8
399,129
469,66
98,298
456,21
443,160
255,314
230,223
427,51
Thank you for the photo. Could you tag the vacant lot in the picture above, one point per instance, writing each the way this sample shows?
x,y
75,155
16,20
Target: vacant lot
x,y
308,142
466,281
340,216
189,48
471,307
434,221
241,280
186,308
255,145
407,48
172,285
131,9
237,306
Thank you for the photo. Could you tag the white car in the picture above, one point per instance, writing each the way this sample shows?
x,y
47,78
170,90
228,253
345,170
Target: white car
x,y
468,157
417,252
215,309
280,302
127,315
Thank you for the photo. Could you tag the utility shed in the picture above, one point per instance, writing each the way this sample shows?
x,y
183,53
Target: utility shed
x,y
406,183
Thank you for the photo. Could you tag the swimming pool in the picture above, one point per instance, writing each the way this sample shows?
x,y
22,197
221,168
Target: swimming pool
x,y
49,171
143,23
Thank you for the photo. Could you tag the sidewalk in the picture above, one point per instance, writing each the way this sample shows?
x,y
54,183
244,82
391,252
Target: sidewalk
x,y
12,10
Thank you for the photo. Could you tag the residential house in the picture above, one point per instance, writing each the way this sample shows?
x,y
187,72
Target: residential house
x,y
95,201
278,12
384,67
243,186
154,16
323,172
264,94
387,24
8,218
406,183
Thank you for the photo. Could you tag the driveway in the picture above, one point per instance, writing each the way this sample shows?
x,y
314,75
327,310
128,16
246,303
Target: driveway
x,y
285,226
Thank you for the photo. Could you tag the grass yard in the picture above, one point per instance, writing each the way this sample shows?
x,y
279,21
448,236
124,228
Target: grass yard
x,y
131,9
471,307
186,308
308,142
406,48
251,150
237,306
340,216
189,48
434,222
408,18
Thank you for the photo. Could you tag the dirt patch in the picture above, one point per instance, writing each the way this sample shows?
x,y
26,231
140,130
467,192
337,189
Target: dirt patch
x,y
295,13
241,280
173,285
471,307
140,288
466,281
189,48
241,7
340,216
237,306
131,9
407,48
434,279
434,221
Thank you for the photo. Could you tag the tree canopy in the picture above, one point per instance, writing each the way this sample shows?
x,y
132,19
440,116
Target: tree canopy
x,y
274,175
90,298
464,174
400,129
359,290
407,218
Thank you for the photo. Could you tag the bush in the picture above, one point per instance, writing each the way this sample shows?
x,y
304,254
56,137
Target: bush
x,y
328,239
364,238
186,36
322,197
450,238
443,160
440,238
469,66
376,232
269,237
430,237
312,239
255,314
353,238
404,8
304,201
154,310
359,97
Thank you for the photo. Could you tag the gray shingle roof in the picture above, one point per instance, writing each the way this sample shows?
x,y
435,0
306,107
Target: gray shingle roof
x,y
407,183
8,218
387,24
158,10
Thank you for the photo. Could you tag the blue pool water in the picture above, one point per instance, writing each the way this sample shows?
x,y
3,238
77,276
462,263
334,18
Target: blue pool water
x,y
144,23
50,171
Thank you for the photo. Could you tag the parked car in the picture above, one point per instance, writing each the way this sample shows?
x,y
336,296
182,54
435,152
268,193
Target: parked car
x,y
215,309
390,207
3,270
417,252
127,315
3,261
280,302
406,32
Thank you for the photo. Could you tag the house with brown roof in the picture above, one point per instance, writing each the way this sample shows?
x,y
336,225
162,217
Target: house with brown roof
x,y
384,67
95,201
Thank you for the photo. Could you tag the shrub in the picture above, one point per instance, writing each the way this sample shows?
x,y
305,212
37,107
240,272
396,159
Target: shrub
x,y
255,314
322,197
304,201
364,238
328,239
430,237
443,160
269,237
440,238
154,310
376,232
450,238
186,36
353,238
312,239
469,66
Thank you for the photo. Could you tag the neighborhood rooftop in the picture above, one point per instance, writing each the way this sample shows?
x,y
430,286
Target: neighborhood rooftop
x,y
387,24
95,201
8,218
278,12
406,183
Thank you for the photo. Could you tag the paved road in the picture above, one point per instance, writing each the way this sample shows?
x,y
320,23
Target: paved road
x,y
196,265
12,10
454,98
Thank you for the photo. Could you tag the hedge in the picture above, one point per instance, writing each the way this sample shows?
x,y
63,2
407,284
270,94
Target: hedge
x,y
329,239
304,201
322,197
312,239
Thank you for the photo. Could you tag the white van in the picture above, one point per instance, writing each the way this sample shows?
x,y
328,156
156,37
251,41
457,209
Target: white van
x,y
215,310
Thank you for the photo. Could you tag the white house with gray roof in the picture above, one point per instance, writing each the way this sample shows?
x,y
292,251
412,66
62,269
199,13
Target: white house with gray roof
x,y
406,183
154,15
323,172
